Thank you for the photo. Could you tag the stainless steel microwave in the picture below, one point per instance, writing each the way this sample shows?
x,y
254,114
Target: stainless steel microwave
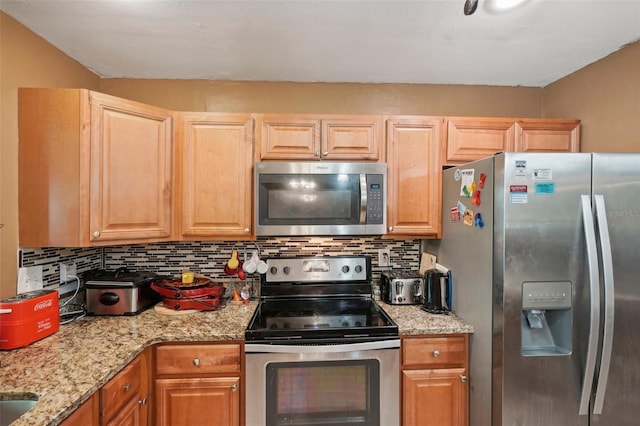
x,y
320,198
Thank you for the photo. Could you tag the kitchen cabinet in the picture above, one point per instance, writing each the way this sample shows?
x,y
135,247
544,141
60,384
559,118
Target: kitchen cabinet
x,y
314,137
542,135
93,169
124,400
472,138
87,414
198,384
434,380
414,158
214,161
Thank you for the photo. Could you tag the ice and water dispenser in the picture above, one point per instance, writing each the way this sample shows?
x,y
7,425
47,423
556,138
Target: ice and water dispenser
x,y
546,318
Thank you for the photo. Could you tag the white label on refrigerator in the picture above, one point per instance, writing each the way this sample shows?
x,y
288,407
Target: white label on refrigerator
x,y
521,169
541,174
518,194
466,181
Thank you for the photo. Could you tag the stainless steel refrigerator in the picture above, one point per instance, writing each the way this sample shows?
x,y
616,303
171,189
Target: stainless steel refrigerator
x,y
544,251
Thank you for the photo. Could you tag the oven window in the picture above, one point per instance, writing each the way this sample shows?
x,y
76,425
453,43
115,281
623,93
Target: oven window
x,y
309,199
324,392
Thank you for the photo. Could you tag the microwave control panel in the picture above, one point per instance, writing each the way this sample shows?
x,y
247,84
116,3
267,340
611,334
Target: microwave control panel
x,y
375,199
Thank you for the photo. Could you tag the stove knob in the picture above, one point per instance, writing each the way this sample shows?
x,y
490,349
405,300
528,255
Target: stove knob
x,y
358,324
274,326
345,269
358,269
273,270
286,270
345,324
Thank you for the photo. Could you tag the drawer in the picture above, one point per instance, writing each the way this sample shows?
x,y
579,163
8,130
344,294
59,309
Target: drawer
x,y
197,359
126,384
434,351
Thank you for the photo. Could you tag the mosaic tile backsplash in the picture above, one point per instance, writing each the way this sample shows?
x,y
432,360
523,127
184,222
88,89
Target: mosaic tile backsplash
x,y
208,258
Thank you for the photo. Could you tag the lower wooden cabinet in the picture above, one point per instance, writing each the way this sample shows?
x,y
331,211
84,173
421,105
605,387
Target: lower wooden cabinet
x,y
87,414
198,384
434,381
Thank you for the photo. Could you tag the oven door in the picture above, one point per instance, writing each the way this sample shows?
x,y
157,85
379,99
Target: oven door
x,y
350,384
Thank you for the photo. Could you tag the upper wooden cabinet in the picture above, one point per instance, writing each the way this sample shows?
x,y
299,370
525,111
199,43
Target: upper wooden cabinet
x,y
469,139
313,137
544,135
472,138
214,154
414,176
93,169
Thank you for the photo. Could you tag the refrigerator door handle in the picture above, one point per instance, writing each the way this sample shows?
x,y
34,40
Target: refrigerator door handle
x,y
594,313
609,303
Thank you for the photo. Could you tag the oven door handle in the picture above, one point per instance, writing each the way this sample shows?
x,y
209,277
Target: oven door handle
x,y
302,348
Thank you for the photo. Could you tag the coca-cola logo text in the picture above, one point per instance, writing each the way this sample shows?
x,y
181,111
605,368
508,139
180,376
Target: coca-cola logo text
x,y
42,305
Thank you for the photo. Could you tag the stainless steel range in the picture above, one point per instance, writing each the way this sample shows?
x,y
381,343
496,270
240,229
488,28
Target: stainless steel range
x,y
319,349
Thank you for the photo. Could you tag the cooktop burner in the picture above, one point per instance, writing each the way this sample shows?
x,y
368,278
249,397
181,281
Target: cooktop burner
x,y
327,301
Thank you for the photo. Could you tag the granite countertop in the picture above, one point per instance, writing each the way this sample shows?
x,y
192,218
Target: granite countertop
x,y
65,369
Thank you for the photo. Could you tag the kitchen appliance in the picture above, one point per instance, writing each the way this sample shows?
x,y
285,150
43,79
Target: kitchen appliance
x,y
119,292
319,349
437,296
201,294
320,198
28,317
402,288
549,280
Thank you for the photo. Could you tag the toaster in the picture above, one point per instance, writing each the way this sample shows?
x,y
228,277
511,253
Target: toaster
x,y
28,317
402,288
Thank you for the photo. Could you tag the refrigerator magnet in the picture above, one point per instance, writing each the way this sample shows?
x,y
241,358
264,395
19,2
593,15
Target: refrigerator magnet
x,y
467,217
545,188
455,215
466,180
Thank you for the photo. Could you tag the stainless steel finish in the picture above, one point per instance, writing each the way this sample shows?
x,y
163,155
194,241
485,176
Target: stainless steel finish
x,y
436,353
320,349
11,410
402,288
196,362
389,360
234,388
363,199
315,167
322,269
617,178
609,305
96,234
594,311
463,379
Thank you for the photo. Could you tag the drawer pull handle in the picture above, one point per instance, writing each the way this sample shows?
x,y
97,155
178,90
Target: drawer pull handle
x,y
234,387
96,234
127,387
142,401
196,362
463,379
436,353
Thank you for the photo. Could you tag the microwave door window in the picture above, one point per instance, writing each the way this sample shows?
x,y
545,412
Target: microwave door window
x,y
309,200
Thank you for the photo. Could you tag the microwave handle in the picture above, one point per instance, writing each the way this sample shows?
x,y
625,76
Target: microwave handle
x,y
363,199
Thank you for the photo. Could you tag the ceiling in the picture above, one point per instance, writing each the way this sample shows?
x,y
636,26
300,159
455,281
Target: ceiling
x,y
369,41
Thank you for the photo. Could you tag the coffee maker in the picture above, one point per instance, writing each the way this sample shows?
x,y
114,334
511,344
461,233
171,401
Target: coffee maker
x,y
438,291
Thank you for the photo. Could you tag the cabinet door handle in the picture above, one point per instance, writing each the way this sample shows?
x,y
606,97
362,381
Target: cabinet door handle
x,y
234,387
196,362
317,153
142,401
390,228
127,387
96,234
463,379
325,153
246,230
436,353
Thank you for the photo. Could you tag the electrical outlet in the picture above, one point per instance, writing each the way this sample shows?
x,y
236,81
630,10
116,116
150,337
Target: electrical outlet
x,y
67,270
30,278
384,257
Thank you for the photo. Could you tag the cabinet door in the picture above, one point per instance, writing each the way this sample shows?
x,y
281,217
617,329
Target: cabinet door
x,y
207,401
129,415
470,139
413,155
215,158
353,138
131,170
289,137
543,135
434,397
86,414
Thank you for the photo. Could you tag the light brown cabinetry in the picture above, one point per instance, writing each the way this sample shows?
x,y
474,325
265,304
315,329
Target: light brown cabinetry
x,y
93,169
414,176
214,160
124,400
313,137
434,381
472,138
198,384
87,414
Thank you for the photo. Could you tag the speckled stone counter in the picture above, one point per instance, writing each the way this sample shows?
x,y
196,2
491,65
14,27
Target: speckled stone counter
x,y
65,369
